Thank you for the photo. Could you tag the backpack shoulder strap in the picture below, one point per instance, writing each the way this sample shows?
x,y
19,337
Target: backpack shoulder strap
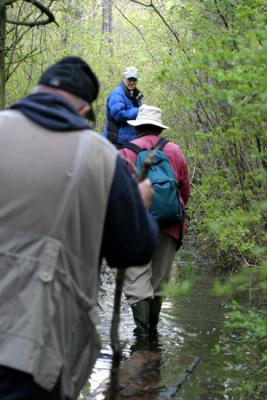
x,y
160,144
136,149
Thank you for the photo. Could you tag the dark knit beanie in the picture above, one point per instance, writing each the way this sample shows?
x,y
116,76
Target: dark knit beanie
x,y
73,75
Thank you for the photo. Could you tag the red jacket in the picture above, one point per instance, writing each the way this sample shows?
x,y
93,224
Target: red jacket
x,y
177,160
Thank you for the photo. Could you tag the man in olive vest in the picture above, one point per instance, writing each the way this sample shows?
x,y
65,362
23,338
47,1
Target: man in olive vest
x,y
66,197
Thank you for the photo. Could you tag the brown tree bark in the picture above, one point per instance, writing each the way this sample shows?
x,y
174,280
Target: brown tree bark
x,y
2,52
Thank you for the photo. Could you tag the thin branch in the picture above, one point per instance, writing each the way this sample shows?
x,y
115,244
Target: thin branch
x,y
235,45
175,34
15,41
20,62
173,389
142,4
41,7
138,30
8,2
221,15
151,5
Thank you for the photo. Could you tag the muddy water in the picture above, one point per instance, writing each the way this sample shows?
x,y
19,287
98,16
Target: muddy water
x,y
189,327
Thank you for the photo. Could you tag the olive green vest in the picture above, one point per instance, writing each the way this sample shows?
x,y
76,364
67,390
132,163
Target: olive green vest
x,y
53,200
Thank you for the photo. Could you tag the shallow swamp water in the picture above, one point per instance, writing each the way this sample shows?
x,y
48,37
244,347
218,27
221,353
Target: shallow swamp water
x,y
190,326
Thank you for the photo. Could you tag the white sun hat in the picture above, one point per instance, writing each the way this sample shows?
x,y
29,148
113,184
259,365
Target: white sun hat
x,y
148,115
130,72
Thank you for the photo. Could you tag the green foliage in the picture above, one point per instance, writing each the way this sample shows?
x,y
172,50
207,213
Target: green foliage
x,y
185,276
204,64
245,343
248,282
181,289
228,75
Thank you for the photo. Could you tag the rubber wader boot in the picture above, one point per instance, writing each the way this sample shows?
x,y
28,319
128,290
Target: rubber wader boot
x,y
155,307
141,317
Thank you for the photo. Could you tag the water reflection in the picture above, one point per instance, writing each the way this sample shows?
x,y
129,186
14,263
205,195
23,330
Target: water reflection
x,y
140,374
199,317
189,327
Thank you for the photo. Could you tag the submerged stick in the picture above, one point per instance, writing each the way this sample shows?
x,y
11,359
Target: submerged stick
x,y
173,389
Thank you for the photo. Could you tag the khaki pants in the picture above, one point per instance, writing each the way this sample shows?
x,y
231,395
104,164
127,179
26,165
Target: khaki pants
x,y
146,281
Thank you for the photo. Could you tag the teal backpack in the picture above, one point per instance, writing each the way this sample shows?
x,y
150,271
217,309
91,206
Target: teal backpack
x,y
166,206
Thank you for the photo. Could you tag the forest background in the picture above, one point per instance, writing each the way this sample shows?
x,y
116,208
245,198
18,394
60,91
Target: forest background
x,y
204,63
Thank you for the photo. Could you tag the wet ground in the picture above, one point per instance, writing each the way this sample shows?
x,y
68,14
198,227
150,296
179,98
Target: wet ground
x,y
189,328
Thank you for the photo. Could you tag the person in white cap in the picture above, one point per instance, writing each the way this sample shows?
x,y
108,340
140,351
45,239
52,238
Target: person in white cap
x,y
143,286
122,105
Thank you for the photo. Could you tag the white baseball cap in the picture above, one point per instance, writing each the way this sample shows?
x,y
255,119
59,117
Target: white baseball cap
x,y
130,72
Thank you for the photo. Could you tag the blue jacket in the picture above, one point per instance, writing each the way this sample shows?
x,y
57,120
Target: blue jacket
x,y
120,108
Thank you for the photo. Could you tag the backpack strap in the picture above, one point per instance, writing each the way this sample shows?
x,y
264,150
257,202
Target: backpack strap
x,y
136,149
160,144
66,200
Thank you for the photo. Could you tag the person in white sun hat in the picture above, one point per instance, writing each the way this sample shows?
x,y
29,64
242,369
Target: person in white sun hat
x,y
143,286
122,105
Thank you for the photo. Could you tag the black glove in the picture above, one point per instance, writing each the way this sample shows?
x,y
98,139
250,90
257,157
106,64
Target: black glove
x,y
137,97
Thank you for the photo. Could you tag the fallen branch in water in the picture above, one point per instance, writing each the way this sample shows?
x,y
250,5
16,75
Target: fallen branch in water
x,y
167,394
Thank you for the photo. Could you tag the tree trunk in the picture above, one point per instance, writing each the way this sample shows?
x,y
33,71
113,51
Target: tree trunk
x,y
107,18
2,53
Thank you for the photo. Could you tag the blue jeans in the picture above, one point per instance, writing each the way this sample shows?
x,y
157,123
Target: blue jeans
x,y
17,385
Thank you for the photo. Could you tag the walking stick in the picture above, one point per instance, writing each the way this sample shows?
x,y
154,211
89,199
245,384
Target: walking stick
x,y
115,342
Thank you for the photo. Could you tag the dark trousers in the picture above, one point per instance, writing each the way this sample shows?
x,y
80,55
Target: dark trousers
x,y
17,385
